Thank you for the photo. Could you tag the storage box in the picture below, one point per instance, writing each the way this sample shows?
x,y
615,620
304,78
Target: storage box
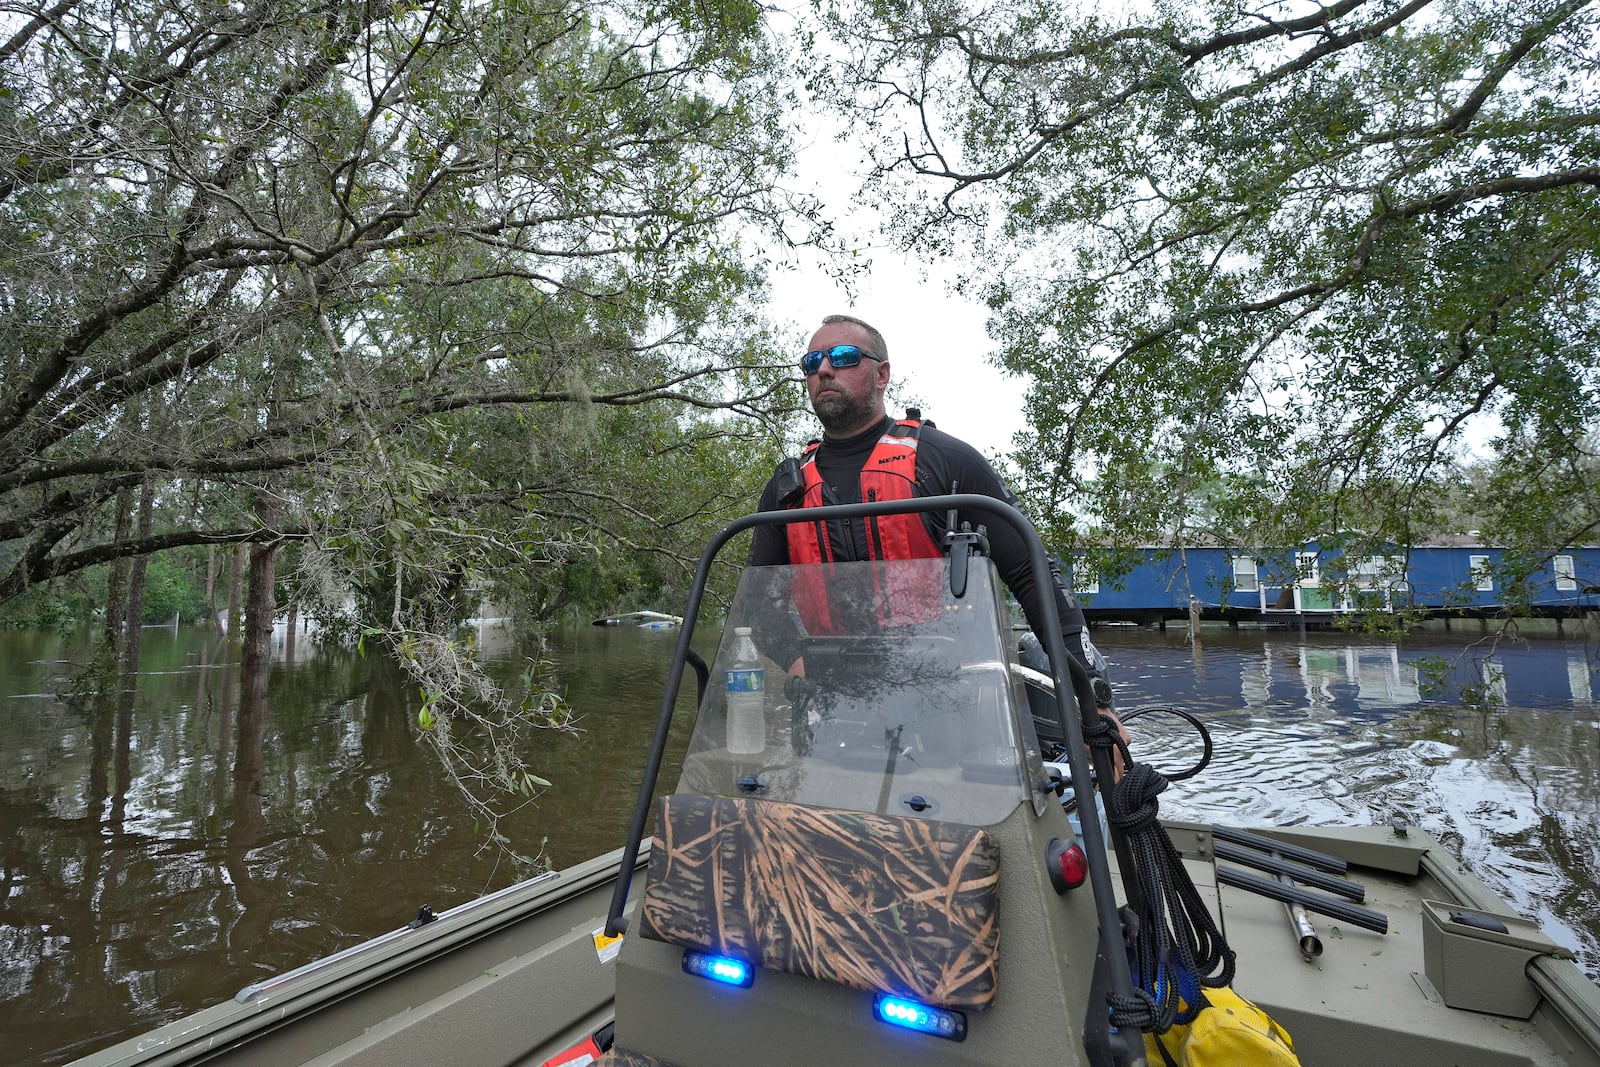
x,y
1478,960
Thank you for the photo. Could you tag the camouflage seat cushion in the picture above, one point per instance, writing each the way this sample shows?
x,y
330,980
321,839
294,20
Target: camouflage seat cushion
x,y
875,902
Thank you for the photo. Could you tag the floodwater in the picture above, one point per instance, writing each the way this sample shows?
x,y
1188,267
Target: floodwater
x,y
162,848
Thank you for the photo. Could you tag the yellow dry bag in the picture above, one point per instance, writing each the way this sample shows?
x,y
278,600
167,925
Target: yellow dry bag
x,y
1229,1032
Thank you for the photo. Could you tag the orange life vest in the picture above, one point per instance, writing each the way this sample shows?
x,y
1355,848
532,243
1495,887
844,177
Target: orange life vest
x,y
890,473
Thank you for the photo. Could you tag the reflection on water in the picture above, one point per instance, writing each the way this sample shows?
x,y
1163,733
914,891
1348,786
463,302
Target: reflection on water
x,y
159,853
164,847
1325,728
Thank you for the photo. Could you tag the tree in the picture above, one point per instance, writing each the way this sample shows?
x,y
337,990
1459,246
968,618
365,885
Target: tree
x,y
311,226
357,278
1296,254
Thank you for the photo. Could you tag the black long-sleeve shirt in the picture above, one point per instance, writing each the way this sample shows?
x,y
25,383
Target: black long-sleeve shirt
x,y
945,464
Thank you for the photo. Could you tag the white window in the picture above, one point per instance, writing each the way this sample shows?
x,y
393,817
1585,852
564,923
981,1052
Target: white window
x,y
1084,578
1566,575
1245,579
1478,567
1372,571
1306,564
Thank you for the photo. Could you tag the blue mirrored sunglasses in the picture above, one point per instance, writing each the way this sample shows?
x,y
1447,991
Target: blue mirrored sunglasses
x,y
841,356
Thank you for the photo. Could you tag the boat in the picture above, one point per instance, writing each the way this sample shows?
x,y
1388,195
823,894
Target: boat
x,y
649,620
892,879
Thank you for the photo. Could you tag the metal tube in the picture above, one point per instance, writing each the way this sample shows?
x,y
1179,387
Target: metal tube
x,y
1300,922
1305,933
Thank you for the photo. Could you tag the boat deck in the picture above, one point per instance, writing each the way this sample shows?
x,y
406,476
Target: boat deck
x,y
1367,998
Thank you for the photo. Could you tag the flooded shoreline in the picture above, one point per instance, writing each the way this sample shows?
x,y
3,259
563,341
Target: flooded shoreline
x,y
160,853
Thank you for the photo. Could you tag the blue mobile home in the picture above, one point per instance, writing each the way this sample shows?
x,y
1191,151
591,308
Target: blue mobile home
x,y
1320,582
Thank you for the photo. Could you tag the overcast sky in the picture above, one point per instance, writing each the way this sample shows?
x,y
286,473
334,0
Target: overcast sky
x,y
938,347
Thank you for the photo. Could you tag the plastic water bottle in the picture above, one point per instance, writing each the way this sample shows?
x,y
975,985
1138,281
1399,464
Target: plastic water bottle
x,y
745,683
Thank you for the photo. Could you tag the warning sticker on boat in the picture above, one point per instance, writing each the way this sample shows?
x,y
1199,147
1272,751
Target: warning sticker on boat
x,y
580,1055
606,946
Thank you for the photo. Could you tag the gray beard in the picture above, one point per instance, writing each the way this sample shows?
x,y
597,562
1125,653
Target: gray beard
x,y
842,415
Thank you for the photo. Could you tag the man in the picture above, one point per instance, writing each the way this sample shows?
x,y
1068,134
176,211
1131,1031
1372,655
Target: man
x,y
847,374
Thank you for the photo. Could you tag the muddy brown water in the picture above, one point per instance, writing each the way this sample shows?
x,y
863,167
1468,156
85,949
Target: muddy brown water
x,y
161,852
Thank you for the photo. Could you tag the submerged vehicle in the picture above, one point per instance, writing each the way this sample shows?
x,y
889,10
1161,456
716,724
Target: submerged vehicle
x,y
883,873
648,620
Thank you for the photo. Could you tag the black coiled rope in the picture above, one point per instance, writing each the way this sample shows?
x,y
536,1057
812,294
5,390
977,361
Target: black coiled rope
x,y
1174,944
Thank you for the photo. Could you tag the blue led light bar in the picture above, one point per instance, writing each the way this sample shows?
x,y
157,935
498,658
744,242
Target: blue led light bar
x,y
900,1011
723,969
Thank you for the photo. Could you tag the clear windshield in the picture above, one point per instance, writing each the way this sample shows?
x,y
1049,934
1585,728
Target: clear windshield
x,y
907,704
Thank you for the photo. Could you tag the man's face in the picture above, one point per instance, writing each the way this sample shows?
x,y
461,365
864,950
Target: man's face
x,y
846,401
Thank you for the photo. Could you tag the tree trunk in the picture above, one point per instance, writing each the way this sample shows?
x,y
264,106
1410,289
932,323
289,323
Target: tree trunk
x,y
291,631
134,617
211,586
260,606
232,625
117,583
249,817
